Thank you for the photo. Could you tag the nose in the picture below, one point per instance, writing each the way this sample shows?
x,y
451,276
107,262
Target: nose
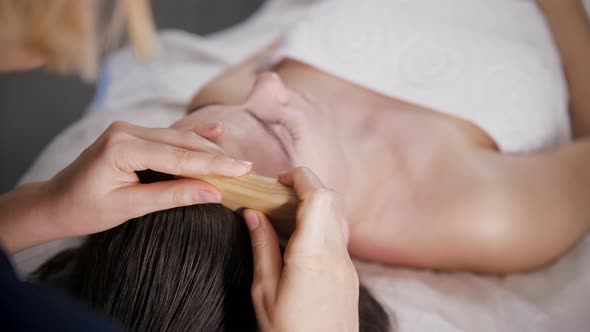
x,y
269,93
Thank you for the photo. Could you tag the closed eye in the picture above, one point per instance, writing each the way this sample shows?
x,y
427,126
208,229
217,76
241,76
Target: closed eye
x,y
269,131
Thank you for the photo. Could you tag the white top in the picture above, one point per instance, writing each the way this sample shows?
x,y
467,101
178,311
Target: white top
x,y
493,63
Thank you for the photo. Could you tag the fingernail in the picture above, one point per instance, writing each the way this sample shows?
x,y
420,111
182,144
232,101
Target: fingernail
x,y
208,197
252,220
234,167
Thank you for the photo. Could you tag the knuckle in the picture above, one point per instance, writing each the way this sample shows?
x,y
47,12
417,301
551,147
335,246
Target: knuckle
x,y
113,148
321,196
181,198
257,289
181,158
216,161
114,138
119,126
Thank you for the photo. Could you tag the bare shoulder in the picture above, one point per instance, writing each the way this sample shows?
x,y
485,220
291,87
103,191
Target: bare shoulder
x,y
486,212
533,208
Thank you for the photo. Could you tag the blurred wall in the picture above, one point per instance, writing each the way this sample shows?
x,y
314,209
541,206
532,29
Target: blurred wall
x,y
36,106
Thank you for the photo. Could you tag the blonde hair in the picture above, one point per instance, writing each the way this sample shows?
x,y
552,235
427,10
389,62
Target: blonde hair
x,y
67,33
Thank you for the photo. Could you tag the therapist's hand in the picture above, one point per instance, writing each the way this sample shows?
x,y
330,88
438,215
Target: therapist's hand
x,y
314,286
100,189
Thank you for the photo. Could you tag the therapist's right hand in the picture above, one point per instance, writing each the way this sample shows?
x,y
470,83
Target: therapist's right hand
x,y
314,286
100,189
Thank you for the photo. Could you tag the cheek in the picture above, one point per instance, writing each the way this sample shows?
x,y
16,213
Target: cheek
x,y
256,146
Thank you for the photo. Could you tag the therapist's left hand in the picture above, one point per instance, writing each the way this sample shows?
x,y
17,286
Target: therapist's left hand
x,y
314,285
100,190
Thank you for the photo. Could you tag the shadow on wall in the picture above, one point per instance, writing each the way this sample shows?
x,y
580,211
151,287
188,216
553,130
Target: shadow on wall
x,y
36,106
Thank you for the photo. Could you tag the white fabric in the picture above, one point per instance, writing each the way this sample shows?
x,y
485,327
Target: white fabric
x,y
551,299
491,62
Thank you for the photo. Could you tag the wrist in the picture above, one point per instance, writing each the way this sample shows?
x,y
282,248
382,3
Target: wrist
x,y
25,220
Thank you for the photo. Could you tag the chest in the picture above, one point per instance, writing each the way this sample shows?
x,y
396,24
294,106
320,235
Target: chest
x,y
415,167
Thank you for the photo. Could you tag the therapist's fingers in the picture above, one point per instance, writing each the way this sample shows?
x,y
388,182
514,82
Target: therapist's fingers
x,y
141,155
303,180
140,199
182,138
267,260
318,217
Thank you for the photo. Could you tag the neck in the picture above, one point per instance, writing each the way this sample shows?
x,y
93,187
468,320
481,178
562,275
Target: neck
x,y
369,164
353,128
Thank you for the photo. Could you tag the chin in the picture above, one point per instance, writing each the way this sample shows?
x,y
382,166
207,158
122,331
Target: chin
x,y
271,167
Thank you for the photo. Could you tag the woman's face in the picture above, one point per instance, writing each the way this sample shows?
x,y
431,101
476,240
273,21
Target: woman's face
x,y
240,131
276,129
237,131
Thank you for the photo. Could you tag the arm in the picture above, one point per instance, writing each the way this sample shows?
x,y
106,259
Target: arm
x,y
482,211
101,190
23,217
538,207
571,29
27,307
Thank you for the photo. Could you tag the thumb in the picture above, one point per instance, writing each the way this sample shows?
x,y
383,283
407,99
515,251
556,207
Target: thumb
x,y
268,263
141,199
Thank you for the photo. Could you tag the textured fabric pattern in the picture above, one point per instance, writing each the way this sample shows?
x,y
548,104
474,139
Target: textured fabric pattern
x,y
490,62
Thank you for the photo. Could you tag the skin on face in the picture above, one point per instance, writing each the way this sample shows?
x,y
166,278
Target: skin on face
x,y
254,130
241,135
277,128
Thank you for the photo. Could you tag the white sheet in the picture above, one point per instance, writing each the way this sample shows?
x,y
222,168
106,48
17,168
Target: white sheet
x,y
551,299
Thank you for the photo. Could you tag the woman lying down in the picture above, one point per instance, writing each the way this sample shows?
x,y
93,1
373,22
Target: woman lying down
x,y
465,169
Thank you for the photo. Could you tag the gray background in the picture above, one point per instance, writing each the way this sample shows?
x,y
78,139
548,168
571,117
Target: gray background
x,y
36,106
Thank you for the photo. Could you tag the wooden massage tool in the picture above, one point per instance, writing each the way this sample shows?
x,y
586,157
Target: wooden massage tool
x,y
276,200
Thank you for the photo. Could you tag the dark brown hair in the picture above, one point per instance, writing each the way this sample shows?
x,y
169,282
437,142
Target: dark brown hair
x,y
184,269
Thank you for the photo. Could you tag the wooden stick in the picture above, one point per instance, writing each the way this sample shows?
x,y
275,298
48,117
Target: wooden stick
x,y
263,194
